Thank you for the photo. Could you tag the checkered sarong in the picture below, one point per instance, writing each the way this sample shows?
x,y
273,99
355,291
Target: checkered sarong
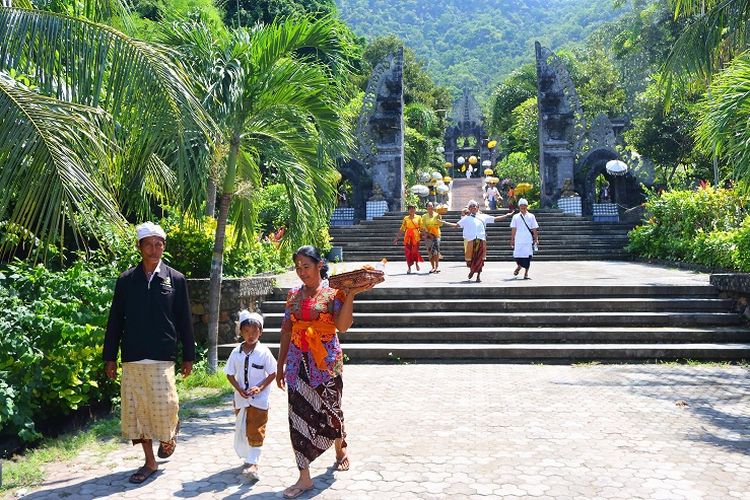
x,y
149,401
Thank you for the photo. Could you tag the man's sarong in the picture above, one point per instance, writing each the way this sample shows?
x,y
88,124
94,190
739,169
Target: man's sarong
x,y
315,416
474,253
149,401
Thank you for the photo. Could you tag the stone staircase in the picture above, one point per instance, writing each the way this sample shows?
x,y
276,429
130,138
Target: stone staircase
x,y
562,237
541,323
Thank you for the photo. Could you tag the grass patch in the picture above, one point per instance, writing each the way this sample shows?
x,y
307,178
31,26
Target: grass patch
x,y
102,436
584,364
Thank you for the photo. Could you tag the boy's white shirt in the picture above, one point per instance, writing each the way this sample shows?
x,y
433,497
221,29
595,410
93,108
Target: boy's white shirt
x,y
260,356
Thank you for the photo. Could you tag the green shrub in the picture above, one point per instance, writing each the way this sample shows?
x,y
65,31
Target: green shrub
x,y
51,334
708,226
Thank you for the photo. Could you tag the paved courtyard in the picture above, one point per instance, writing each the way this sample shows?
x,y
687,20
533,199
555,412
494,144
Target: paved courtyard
x,y
543,273
475,431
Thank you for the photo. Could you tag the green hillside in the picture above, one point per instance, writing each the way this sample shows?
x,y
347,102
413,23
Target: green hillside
x,y
476,42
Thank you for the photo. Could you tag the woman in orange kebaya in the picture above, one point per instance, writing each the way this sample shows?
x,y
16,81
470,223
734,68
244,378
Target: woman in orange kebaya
x,y
410,228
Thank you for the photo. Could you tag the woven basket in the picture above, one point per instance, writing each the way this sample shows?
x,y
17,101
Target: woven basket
x,y
442,210
356,279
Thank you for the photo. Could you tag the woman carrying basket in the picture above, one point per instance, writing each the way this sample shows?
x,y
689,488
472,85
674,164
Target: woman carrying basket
x,y
311,362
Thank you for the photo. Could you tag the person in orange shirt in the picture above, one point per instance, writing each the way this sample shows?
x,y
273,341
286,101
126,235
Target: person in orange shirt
x,y
410,232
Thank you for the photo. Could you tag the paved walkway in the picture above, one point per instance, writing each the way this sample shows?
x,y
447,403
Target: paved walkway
x,y
542,273
475,431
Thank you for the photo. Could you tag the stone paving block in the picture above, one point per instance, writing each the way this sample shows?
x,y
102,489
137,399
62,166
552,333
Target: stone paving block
x,y
525,431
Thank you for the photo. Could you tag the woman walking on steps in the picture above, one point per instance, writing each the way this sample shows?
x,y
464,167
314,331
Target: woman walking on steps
x,y
431,223
524,238
410,232
310,364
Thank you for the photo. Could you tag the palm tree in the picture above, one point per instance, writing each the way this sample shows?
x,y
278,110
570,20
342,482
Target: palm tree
x,y
271,90
716,33
93,123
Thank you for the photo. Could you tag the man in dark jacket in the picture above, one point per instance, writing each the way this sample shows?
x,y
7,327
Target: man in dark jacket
x,y
150,315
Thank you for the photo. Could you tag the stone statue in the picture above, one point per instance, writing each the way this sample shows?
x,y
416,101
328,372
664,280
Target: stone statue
x,y
377,193
567,190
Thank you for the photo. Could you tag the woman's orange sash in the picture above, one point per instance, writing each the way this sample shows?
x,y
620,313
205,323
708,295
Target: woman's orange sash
x,y
310,335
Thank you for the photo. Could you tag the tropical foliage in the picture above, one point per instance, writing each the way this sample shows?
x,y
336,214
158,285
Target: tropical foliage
x,y
51,364
707,226
76,99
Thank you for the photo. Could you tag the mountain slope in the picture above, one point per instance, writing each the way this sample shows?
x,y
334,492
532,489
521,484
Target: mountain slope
x,y
476,42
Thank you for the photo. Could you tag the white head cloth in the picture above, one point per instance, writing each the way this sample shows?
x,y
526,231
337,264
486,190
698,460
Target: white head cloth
x,y
523,201
150,229
253,318
472,203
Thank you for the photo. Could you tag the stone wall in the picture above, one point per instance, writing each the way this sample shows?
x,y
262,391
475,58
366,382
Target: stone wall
x,y
236,294
735,286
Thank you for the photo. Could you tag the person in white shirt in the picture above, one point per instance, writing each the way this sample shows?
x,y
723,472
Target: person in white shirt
x,y
474,224
493,195
524,237
251,368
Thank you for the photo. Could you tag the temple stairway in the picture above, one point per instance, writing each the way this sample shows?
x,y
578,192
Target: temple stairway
x,y
562,237
510,321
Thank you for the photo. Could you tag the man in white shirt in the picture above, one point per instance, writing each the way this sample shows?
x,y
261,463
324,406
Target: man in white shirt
x,y
524,237
474,224
493,195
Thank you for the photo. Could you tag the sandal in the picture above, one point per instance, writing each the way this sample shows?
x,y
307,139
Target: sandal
x,y
141,475
515,273
166,448
342,464
294,491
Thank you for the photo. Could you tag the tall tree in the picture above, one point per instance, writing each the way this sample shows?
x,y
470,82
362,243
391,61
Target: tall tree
x,y
93,124
277,105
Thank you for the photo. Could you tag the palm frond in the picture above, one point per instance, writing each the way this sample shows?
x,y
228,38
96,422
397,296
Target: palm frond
x,y
723,127
54,161
147,94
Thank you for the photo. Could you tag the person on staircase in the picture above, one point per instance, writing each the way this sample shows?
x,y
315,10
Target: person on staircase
x,y
311,363
474,225
431,223
410,232
524,238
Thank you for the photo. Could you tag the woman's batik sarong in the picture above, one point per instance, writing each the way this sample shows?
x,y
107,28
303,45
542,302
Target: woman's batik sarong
x,y
315,415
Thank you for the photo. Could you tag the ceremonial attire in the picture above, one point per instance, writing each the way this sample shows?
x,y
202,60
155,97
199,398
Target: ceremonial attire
x,y
313,371
410,228
523,248
475,239
148,318
432,225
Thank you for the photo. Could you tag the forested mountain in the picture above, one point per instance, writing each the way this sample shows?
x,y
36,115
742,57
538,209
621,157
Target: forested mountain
x,y
476,42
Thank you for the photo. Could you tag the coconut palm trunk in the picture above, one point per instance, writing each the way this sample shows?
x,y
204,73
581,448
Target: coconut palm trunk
x,y
217,258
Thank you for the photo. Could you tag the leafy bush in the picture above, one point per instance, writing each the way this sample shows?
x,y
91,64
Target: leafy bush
x,y
51,335
708,226
190,247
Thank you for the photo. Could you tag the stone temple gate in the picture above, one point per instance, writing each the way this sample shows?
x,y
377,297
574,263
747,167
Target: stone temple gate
x,y
377,170
466,135
572,151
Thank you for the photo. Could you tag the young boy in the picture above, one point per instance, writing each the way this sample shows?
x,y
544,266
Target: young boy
x,y
251,368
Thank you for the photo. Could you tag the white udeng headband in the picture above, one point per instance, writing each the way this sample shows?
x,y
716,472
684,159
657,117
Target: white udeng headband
x,y
253,317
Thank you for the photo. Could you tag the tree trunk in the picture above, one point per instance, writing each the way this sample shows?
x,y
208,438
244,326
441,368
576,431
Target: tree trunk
x,y
217,259
211,198
214,286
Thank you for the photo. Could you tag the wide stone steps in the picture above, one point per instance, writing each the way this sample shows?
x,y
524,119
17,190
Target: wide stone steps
x,y
541,323
562,236
535,305
493,335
